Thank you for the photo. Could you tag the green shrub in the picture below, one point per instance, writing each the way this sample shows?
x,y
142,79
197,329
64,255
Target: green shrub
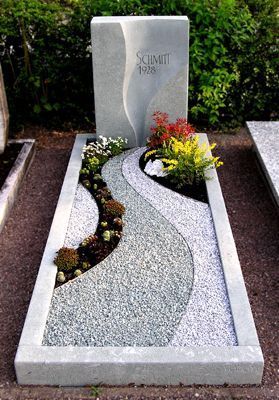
x,y
46,57
45,53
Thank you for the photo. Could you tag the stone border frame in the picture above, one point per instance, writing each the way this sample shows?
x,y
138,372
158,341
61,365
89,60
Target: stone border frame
x,y
261,163
10,189
77,366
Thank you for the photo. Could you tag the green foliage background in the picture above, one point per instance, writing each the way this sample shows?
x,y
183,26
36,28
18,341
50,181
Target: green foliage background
x,y
46,57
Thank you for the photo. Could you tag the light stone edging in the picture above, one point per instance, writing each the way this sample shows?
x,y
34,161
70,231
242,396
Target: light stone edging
x,y
76,366
11,186
264,127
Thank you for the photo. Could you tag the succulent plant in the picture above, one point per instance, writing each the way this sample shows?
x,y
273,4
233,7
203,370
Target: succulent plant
x,y
95,186
86,183
103,200
66,259
89,240
103,193
84,171
106,236
104,224
117,234
118,221
77,272
97,177
86,265
114,208
60,277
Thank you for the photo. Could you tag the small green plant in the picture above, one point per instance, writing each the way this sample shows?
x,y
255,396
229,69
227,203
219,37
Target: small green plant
x,y
93,164
106,236
114,208
66,259
95,391
187,162
60,277
89,241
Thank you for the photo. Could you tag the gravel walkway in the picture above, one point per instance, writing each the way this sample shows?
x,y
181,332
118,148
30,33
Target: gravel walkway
x,y
207,321
255,225
138,294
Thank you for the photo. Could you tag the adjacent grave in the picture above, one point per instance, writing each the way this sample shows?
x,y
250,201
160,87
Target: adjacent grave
x,y
140,65
11,186
4,115
265,135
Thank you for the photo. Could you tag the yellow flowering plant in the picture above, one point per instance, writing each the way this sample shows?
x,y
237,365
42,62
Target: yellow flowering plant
x,y
186,162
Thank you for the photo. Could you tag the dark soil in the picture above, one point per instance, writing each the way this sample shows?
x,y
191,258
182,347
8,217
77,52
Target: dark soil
x,y
7,160
255,224
196,191
94,248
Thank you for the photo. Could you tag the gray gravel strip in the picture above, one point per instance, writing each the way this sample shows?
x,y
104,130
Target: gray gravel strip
x,y
84,217
138,294
207,319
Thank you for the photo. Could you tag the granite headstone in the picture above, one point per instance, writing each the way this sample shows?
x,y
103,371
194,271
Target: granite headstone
x,y
140,65
4,115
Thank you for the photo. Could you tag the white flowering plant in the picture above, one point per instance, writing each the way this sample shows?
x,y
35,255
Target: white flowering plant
x,y
102,149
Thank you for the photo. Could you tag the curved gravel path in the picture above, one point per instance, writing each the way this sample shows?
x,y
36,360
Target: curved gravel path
x,y
138,294
84,217
207,320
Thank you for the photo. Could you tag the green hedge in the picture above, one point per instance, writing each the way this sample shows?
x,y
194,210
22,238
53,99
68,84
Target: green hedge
x,y
46,59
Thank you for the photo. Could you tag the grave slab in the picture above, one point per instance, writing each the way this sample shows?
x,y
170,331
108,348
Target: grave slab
x,y
77,365
140,65
11,187
265,136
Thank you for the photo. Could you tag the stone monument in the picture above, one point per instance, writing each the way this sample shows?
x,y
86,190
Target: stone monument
x,y
140,65
4,115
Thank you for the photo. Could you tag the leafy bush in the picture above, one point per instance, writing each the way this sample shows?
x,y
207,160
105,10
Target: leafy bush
x,y
187,161
46,57
164,130
178,157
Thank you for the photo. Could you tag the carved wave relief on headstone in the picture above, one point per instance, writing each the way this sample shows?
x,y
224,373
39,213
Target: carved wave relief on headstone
x,y
140,66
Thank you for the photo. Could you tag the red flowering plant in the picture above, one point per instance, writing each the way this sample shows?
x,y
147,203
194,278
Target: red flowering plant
x,y
164,130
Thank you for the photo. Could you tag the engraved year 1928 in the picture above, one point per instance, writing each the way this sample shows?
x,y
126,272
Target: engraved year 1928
x,y
147,64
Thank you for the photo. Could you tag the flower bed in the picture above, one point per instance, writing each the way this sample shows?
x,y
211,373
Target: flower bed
x,y
76,360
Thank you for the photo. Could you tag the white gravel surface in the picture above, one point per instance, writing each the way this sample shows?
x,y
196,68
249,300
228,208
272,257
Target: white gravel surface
x,y
207,319
138,294
143,294
84,218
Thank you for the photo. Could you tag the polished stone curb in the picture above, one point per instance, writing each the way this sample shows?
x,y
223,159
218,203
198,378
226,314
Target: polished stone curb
x,y
262,127
76,366
11,186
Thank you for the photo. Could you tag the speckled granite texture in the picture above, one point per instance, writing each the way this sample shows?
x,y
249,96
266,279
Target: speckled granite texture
x,y
265,135
84,217
112,303
138,294
207,319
